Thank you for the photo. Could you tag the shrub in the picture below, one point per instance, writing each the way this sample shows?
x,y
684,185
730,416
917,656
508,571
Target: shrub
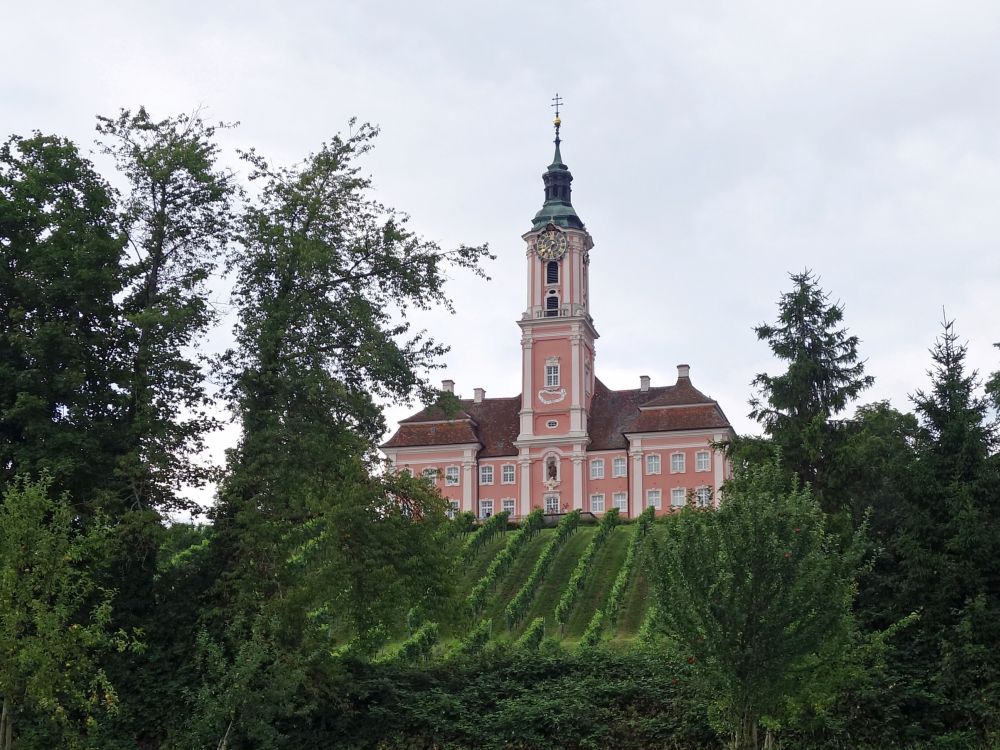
x,y
502,562
532,637
479,538
418,647
584,566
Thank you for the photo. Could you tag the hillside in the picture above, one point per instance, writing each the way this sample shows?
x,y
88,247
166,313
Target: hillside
x,y
591,595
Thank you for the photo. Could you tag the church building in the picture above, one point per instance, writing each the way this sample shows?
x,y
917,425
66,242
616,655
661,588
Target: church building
x,y
567,441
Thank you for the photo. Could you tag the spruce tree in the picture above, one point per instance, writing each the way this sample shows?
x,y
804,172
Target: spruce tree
x,y
825,374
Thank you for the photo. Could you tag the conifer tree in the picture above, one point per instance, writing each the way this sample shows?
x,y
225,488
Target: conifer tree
x,y
825,374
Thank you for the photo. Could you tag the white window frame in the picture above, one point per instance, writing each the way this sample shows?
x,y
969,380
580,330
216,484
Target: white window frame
x,y
682,462
431,474
702,457
552,424
597,468
508,504
486,474
654,497
597,502
453,508
703,495
653,464
552,504
678,493
503,474
486,507
551,376
619,467
452,476
620,501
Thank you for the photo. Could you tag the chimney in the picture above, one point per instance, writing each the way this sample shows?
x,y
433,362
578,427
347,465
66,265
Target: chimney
x,y
479,394
448,386
683,371
644,383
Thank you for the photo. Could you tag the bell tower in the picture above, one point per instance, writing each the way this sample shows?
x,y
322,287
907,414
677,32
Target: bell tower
x,y
557,332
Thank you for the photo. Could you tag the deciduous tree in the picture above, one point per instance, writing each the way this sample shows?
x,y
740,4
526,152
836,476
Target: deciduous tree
x,y
758,596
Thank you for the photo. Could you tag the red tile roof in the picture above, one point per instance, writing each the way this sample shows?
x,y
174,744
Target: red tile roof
x,y
494,423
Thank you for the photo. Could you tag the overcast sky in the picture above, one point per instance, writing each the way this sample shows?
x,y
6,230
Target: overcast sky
x,y
715,148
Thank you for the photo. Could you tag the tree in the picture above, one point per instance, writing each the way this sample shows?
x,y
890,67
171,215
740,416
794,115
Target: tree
x,y
178,218
60,349
824,375
324,278
953,564
758,595
54,619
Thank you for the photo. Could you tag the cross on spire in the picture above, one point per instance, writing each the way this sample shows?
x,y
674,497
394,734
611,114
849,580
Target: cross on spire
x,y
557,100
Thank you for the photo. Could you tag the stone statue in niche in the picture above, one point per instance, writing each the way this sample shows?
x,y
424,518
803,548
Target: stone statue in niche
x,y
551,469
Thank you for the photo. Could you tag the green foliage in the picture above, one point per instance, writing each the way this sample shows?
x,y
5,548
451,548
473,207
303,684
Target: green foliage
x,y
617,595
465,522
499,700
531,639
494,525
477,638
178,217
584,566
419,646
55,621
516,542
245,684
759,596
592,635
518,606
60,351
825,374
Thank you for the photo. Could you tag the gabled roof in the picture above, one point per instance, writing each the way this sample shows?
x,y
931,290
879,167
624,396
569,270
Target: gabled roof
x,y
494,423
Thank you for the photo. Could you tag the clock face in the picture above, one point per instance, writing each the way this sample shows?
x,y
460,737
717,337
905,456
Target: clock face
x,y
551,244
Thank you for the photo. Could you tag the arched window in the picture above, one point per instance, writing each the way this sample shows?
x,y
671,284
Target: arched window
x,y
552,306
552,272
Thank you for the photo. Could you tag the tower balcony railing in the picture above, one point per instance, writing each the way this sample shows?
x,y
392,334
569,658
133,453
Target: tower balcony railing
x,y
563,311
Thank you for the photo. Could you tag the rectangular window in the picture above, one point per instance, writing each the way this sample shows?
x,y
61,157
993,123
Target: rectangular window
x,y
452,508
485,508
486,475
621,502
678,497
507,474
451,476
597,503
677,463
704,495
653,463
551,376
430,474
653,499
618,467
507,505
552,503
702,461
597,468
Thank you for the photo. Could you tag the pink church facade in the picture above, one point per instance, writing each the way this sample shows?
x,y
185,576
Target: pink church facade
x,y
567,441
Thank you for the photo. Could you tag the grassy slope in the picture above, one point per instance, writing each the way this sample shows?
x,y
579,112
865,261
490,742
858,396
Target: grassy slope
x,y
637,597
554,582
515,578
595,593
606,566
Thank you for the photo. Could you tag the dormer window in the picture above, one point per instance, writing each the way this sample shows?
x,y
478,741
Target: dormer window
x,y
552,272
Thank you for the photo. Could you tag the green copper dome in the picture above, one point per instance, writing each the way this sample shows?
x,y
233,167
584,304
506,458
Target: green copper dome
x,y
557,208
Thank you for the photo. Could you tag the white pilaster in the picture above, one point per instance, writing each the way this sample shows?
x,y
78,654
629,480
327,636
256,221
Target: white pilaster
x,y
525,465
468,496
577,482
